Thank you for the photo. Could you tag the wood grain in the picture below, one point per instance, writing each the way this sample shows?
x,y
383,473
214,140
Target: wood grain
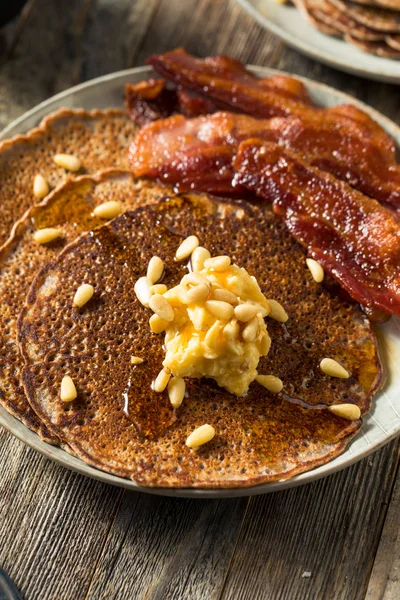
x,y
385,576
63,536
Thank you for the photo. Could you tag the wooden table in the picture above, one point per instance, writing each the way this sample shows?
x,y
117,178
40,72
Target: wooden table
x,y
63,536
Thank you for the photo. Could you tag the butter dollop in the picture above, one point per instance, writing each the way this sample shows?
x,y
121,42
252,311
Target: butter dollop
x,y
218,330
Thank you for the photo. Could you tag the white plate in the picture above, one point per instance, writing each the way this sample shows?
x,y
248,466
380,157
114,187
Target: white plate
x,y
291,26
380,426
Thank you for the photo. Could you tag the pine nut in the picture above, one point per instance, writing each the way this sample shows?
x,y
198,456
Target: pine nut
x,y
108,210
155,269
161,307
157,325
265,344
346,411
217,263
40,187
177,294
176,391
47,235
68,390
333,368
245,312
142,291
277,312
232,330
199,255
187,247
225,296
249,333
136,360
67,161
221,310
200,436
212,336
316,270
271,383
196,279
198,294
158,288
83,294
161,381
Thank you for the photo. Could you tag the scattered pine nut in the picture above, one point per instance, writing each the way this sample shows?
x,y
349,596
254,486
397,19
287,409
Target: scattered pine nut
x,y
271,383
249,333
40,187
161,381
108,210
157,325
136,360
158,288
161,307
246,311
316,270
265,345
68,391
47,235
187,247
198,293
199,255
231,331
277,312
68,162
221,310
217,263
142,291
225,296
83,294
346,411
176,391
212,336
155,270
331,367
200,436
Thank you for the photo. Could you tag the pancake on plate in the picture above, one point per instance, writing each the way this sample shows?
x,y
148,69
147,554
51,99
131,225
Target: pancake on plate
x,y
118,423
69,209
98,138
366,25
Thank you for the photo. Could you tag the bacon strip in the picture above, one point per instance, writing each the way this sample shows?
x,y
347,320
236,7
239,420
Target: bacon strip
x,y
150,100
226,80
197,153
354,238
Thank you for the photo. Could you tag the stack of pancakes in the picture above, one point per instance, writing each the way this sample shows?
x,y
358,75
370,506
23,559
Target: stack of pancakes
x,y
371,25
118,423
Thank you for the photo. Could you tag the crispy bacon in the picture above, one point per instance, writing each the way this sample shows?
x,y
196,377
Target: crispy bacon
x,y
197,153
150,100
226,80
354,238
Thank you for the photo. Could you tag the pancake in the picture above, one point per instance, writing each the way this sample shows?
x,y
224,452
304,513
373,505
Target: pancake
x,y
69,208
117,423
376,18
379,48
99,138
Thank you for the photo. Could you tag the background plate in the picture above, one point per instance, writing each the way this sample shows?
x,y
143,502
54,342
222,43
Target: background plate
x,y
292,27
380,426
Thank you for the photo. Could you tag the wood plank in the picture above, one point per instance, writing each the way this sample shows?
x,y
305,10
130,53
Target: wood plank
x,y
385,576
43,59
53,523
111,35
162,548
317,541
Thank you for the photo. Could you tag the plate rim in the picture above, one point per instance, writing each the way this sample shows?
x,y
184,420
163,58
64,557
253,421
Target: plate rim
x,y
318,54
64,459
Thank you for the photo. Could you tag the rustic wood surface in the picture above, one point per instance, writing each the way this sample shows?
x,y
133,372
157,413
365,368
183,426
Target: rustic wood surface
x,y
63,536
